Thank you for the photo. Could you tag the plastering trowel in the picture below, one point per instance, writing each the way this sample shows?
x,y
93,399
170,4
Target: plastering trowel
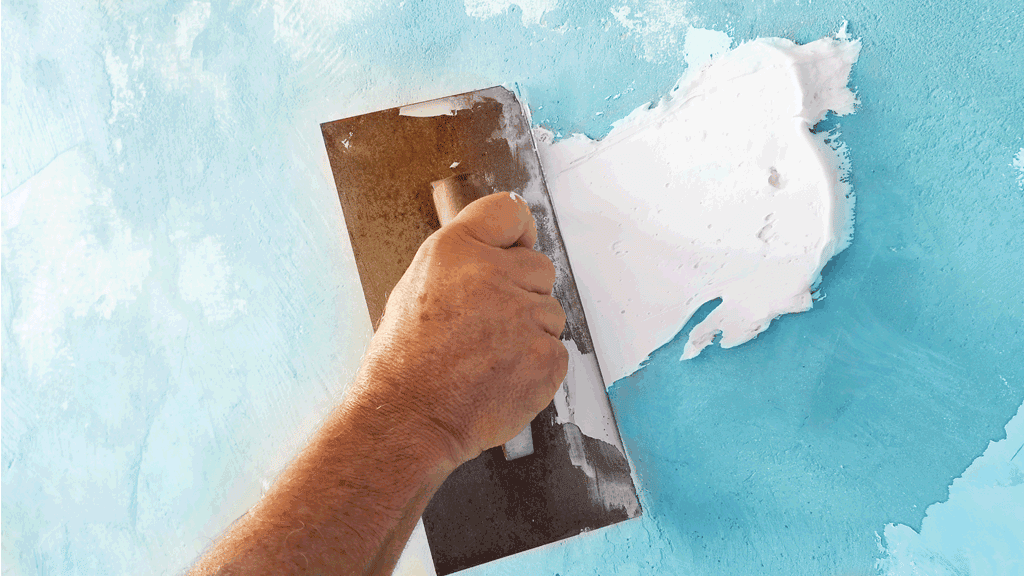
x,y
401,173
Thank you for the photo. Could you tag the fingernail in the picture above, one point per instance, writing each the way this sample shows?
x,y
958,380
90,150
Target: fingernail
x,y
517,197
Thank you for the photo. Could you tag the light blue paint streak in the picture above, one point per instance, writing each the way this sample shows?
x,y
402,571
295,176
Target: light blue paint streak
x,y
784,456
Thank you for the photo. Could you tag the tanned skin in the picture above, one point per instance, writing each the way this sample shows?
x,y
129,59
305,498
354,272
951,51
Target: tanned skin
x,y
466,354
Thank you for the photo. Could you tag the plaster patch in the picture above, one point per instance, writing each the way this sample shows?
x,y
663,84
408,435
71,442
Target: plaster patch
x,y
979,529
306,27
1018,163
718,191
658,25
126,89
702,45
533,10
204,278
180,66
68,250
585,406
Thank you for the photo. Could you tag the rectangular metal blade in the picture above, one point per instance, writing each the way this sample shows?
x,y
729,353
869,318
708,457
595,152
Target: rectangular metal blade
x,y
578,478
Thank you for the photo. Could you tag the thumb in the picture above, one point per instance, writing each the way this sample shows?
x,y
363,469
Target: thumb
x,y
501,220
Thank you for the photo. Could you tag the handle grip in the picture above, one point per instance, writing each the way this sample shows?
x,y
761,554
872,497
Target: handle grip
x,y
451,195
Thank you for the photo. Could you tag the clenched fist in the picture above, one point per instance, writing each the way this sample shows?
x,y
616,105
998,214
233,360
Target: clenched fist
x,y
467,353
468,348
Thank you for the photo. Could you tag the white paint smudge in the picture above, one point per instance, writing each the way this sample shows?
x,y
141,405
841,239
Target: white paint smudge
x,y
586,405
204,277
658,26
306,27
441,107
702,45
69,253
979,529
181,67
1018,163
720,191
533,10
125,91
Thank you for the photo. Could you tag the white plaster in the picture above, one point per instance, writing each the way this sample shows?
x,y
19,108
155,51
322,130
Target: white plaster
x,y
520,445
69,252
180,66
979,529
1018,163
448,106
120,94
702,45
583,401
205,278
442,107
719,191
658,27
533,10
302,24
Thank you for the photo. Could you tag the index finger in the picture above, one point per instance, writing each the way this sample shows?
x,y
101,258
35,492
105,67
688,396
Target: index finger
x,y
502,220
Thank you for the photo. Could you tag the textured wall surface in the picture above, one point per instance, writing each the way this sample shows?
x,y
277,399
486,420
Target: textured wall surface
x,y
180,304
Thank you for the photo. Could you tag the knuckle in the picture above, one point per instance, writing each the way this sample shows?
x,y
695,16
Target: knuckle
x,y
560,315
559,360
544,264
544,310
563,364
433,245
559,309
561,352
549,265
453,233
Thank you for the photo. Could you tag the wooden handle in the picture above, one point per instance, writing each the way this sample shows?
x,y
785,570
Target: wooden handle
x,y
451,195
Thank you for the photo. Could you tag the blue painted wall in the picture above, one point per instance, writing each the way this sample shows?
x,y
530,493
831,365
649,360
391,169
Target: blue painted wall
x,y
180,304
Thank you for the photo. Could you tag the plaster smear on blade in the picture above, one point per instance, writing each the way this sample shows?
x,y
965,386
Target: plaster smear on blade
x,y
719,191
586,405
583,405
441,107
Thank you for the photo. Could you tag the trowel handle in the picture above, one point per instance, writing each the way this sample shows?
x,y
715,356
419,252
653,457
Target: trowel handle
x,y
451,195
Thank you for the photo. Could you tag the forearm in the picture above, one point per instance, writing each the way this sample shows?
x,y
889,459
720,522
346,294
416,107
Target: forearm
x,y
474,330
346,505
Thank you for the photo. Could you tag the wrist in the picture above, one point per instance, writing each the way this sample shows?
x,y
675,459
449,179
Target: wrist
x,y
394,423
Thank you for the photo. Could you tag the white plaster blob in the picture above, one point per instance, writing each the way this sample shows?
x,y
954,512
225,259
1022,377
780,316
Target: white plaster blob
x,y
586,405
979,529
702,45
718,191
440,107
533,10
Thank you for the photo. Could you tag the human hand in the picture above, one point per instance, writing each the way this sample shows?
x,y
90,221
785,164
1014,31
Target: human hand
x,y
468,348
